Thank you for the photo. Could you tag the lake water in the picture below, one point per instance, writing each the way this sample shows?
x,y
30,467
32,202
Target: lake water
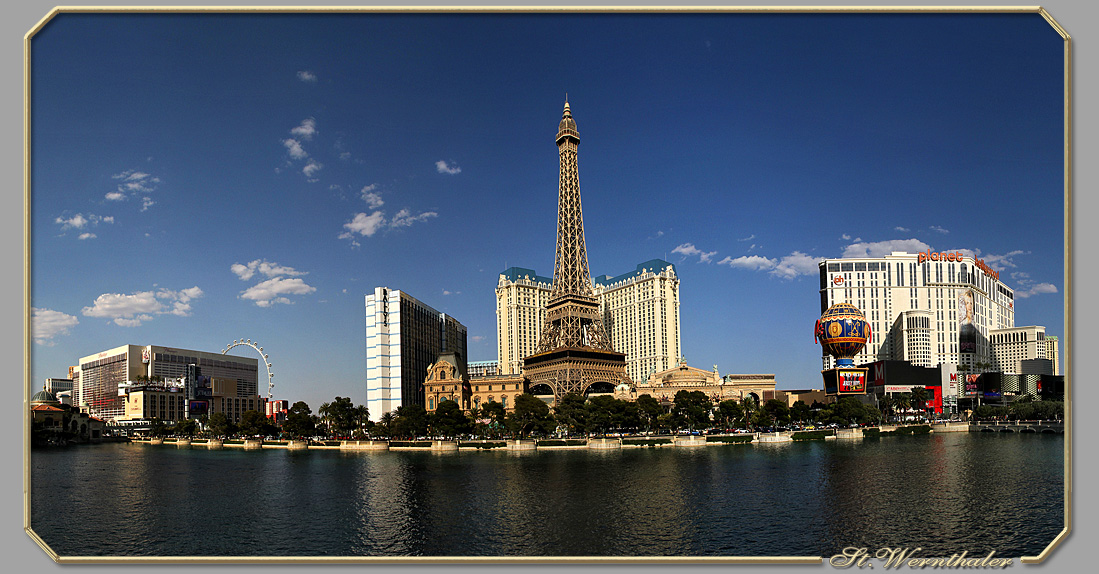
x,y
943,492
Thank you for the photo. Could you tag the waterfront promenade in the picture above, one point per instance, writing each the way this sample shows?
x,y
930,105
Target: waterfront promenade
x,y
604,443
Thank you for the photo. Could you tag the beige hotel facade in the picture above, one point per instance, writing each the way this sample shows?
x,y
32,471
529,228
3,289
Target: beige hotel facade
x,y
933,308
640,312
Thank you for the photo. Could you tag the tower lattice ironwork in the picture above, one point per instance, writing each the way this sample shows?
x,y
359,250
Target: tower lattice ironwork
x,y
574,351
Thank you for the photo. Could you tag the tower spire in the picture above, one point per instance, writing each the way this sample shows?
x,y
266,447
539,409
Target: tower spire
x,y
574,351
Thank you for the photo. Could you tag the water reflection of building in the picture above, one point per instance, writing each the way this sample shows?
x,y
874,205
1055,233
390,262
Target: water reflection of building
x,y
665,384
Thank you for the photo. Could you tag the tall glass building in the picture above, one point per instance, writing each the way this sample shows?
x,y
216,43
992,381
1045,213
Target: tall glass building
x,y
403,337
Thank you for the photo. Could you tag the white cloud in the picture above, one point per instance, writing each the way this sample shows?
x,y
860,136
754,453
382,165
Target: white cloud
x,y
1038,289
133,309
689,250
47,324
367,225
84,236
404,218
245,272
443,167
133,183
306,130
749,238
939,229
788,267
845,237
146,203
373,200
478,338
307,76
295,149
80,221
311,168
901,229
796,264
753,263
1002,262
274,291
883,248
363,224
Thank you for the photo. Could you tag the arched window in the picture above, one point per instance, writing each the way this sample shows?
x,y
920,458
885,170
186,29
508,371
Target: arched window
x,y
431,403
442,373
504,401
476,402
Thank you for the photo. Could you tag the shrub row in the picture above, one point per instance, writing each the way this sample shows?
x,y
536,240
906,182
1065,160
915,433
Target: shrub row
x,y
400,443
811,435
730,439
568,442
646,441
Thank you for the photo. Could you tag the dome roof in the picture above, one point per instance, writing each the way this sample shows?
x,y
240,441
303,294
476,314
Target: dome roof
x,y
43,396
567,127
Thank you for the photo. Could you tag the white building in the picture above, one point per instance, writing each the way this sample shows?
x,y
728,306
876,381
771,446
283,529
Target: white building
x,y
1053,353
102,374
928,308
640,314
403,337
1013,345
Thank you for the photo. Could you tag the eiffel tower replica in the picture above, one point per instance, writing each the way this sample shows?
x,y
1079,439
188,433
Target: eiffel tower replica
x,y
574,352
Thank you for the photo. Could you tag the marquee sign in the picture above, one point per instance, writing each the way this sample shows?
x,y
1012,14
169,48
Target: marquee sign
x,y
928,255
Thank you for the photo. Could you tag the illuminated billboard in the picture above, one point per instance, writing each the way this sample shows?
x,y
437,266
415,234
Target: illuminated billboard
x,y
196,408
845,381
967,330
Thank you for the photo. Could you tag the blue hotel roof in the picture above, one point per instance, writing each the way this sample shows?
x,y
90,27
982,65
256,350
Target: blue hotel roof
x,y
653,265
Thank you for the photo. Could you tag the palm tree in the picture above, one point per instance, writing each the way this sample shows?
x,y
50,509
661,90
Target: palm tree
x,y
324,410
363,414
750,407
386,422
902,402
919,399
886,403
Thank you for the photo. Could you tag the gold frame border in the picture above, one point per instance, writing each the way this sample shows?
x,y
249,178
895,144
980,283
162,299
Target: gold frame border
x,y
27,327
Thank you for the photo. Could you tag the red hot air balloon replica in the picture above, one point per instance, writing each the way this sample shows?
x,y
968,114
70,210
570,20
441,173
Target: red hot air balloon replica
x,y
843,331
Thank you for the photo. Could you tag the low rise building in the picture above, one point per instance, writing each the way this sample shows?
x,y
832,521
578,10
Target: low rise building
x,y
665,384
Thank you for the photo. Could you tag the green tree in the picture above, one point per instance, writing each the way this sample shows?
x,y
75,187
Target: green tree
x,y
849,409
801,412
255,423
571,412
344,416
362,419
299,420
157,428
886,404
919,399
186,427
750,406
604,413
649,410
385,424
778,411
449,420
325,410
531,415
219,425
497,415
410,421
693,407
728,413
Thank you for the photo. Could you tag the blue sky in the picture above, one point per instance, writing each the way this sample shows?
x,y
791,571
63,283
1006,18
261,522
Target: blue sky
x,y
202,178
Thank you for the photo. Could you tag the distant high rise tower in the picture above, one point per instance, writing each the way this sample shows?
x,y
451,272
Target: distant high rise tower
x,y
403,337
574,354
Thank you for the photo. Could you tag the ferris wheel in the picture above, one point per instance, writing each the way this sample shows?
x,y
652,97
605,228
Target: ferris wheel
x,y
263,357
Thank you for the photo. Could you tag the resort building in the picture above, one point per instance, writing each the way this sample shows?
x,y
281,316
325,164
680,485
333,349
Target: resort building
x,y
927,308
1053,352
403,337
104,377
1012,346
664,385
640,312
447,381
